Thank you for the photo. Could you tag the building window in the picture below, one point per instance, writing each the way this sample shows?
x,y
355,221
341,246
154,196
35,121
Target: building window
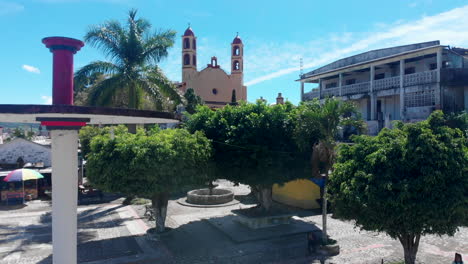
x,y
410,70
350,81
214,62
330,85
186,59
194,60
186,43
379,76
432,66
236,51
194,44
236,65
214,91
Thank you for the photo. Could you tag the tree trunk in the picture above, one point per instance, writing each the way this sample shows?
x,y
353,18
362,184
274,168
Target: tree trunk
x,y
264,197
159,202
410,243
132,128
324,214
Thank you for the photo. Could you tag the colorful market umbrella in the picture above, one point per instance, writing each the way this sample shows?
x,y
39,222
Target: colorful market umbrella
x,y
21,175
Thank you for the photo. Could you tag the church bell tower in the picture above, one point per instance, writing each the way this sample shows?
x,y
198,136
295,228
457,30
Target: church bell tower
x,y
189,55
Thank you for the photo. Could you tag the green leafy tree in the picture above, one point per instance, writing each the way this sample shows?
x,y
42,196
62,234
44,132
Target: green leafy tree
x,y
192,101
21,133
406,182
149,165
87,133
254,145
458,120
317,129
132,72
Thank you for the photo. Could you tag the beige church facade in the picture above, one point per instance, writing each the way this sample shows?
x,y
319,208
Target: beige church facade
x,y
213,84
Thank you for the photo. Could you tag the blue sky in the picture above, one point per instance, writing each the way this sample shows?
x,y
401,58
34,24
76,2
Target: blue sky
x,y
276,34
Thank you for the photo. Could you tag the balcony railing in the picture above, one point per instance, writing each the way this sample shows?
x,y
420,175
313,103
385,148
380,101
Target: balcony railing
x,y
420,78
387,83
356,88
330,92
311,95
382,84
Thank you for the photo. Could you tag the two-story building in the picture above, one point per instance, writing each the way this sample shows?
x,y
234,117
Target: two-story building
x,y
398,83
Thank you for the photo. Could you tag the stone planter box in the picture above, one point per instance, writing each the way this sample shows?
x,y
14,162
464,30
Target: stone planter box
x,y
264,221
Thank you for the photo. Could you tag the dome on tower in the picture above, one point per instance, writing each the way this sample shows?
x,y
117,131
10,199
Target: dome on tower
x,y
188,32
237,40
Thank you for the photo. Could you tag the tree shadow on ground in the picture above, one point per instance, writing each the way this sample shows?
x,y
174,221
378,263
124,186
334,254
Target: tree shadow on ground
x,y
202,241
104,250
41,233
12,207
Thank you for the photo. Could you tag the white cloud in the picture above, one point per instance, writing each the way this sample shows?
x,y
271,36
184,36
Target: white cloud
x,y
7,7
30,68
46,99
448,27
265,60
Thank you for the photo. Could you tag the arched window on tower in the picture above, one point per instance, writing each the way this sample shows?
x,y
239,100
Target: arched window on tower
x,y
236,65
186,43
236,51
194,60
186,59
194,44
214,62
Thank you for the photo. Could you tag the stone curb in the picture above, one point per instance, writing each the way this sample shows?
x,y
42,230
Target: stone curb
x,y
182,201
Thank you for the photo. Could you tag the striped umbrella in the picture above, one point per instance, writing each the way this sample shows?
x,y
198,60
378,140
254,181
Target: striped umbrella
x,y
22,175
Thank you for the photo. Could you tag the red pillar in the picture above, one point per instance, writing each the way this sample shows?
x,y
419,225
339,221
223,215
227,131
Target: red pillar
x,y
63,50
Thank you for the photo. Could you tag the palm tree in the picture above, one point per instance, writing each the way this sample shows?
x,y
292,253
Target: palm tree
x,y
132,74
318,127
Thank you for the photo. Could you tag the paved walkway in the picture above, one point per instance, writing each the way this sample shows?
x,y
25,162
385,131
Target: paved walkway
x,y
115,234
108,233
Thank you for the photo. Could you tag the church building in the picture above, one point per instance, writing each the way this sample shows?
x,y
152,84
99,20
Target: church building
x,y
213,84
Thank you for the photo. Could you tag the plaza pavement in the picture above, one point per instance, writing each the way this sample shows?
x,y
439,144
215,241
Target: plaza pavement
x,y
115,234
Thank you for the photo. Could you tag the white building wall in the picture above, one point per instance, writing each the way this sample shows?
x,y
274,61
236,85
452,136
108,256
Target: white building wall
x,y
30,152
390,106
362,106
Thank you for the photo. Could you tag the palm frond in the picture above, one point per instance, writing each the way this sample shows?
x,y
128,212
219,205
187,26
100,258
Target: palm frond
x,y
94,67
93,73
103,93
108,37
163,85
157,46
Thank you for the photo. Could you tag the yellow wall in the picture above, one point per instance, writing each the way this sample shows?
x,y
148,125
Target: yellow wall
x,y
299,193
